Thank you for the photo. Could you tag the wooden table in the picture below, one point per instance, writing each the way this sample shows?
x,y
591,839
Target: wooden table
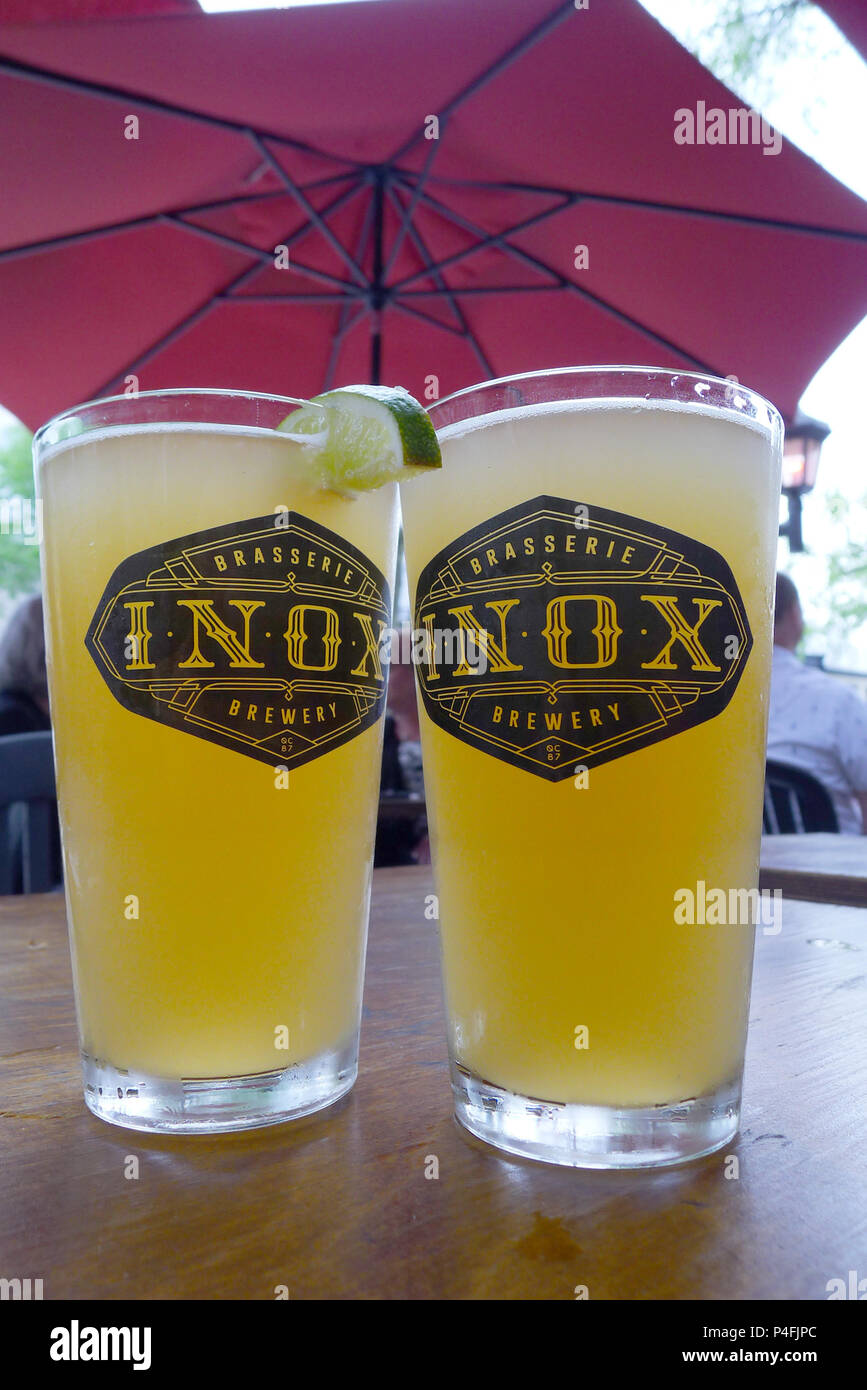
x,y
338,1206
817,868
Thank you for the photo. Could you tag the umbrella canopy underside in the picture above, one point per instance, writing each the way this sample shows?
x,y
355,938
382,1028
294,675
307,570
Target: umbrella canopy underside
x,y
419,191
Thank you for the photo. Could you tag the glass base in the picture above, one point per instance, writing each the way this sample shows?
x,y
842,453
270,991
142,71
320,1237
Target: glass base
x,y
216,1104
596,1136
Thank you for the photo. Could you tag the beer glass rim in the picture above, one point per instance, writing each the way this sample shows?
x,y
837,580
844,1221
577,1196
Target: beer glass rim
x,y
119,411
621,382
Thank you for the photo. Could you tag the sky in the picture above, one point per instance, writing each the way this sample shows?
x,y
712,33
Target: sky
x,y
818,99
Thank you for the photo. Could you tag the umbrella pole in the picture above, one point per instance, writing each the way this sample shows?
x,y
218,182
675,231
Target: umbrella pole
x,y
377,295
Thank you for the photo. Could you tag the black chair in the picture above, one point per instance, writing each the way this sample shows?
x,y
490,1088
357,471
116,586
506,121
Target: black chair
x,y
29,837
796,803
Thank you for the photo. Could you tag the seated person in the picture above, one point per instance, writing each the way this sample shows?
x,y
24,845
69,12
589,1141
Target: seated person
x,y
24,710
816,722
402,841
23,678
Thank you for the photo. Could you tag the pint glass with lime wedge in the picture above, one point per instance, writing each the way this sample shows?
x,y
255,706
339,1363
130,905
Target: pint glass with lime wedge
x,y
599,551
214,612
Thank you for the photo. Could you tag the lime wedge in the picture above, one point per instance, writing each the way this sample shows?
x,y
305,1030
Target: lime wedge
x,y
360,437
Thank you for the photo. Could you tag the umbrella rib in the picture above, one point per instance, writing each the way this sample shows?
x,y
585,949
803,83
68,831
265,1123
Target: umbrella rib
x,y
491,239
516,51
133,368
431,269
424,252
345,322
343,328
618,200
565,284
33,73
57,243
486,289
429,318
572,199
313,298
151,219
240,198
193,318
290,238
289,183
264,257
739,218
405,214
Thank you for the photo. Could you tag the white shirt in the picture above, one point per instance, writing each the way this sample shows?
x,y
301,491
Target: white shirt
x,y
820,725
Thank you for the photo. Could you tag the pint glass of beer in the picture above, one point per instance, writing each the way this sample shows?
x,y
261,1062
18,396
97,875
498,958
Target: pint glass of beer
x,y
213,622
592,585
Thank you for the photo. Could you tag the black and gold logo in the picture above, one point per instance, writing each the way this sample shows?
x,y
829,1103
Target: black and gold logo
x,y
597,634
263,636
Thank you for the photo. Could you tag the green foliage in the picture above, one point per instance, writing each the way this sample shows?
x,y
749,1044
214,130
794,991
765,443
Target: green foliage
x,y
752,33
847,565
19,555
749,43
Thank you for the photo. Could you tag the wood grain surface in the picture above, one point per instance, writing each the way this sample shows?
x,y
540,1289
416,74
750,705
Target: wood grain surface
x,y
338,1206
817,868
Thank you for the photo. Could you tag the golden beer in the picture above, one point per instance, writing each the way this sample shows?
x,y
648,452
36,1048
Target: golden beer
x,y
217,766
608,541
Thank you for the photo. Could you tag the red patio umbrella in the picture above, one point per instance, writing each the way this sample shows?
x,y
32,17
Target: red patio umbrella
x,y
432,171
